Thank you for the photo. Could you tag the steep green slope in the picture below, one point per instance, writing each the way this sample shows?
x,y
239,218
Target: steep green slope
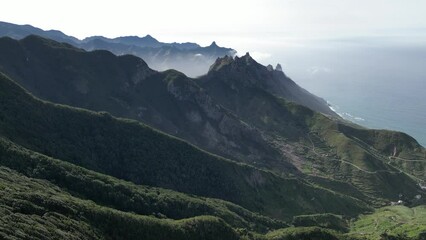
x,y
125,196
365,165
129,150
35,209
35,202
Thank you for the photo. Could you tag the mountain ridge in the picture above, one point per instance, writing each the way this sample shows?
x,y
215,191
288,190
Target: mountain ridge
x,y
143,155
188,57
110,147
221,123
274,81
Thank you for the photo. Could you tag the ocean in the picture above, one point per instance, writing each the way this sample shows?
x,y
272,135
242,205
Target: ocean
x,y
377,84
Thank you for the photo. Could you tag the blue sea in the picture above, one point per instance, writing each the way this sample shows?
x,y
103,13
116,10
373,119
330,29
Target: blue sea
x,y
376,83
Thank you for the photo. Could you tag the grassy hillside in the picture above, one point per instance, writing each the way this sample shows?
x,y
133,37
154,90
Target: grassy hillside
x,y
320,145
304,233
131,151
346,156
395,220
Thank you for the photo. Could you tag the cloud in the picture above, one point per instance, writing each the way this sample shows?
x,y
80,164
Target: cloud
x,y
259,56
317,70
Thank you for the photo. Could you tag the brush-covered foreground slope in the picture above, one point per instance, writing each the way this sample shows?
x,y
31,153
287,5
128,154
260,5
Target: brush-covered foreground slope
x,y
43,198
132,151
241,112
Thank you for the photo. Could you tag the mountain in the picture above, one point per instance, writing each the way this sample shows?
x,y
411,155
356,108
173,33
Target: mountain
x,y
327,146
230,73
187,57
240,110
134,152
45,198
21,31
143,42
281,154
126,87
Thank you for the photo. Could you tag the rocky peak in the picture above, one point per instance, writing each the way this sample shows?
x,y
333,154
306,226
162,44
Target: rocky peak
x,y
270,68
245,60
214,45
278,68
149,37
220,62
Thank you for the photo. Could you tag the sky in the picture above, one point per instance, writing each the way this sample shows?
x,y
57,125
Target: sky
x,y
198,20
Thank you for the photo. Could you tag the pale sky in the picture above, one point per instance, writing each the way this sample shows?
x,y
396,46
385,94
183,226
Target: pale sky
x,y
187,20
260,27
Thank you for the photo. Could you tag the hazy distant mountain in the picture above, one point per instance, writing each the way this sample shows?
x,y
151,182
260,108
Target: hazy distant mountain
x,y
20,31
147,41
190,58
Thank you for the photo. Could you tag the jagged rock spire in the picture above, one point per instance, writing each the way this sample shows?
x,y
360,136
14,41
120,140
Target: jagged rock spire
x,y
278,68
214,44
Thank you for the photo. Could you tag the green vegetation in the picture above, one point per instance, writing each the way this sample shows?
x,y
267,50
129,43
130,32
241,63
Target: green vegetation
x,y
329,221
282,137
35,209
125,196
363,166
126,87
76,174
319,145
397,221
304,233
132,151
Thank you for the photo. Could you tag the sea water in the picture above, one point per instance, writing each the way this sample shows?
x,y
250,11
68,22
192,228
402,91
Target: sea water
x,y
376,84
